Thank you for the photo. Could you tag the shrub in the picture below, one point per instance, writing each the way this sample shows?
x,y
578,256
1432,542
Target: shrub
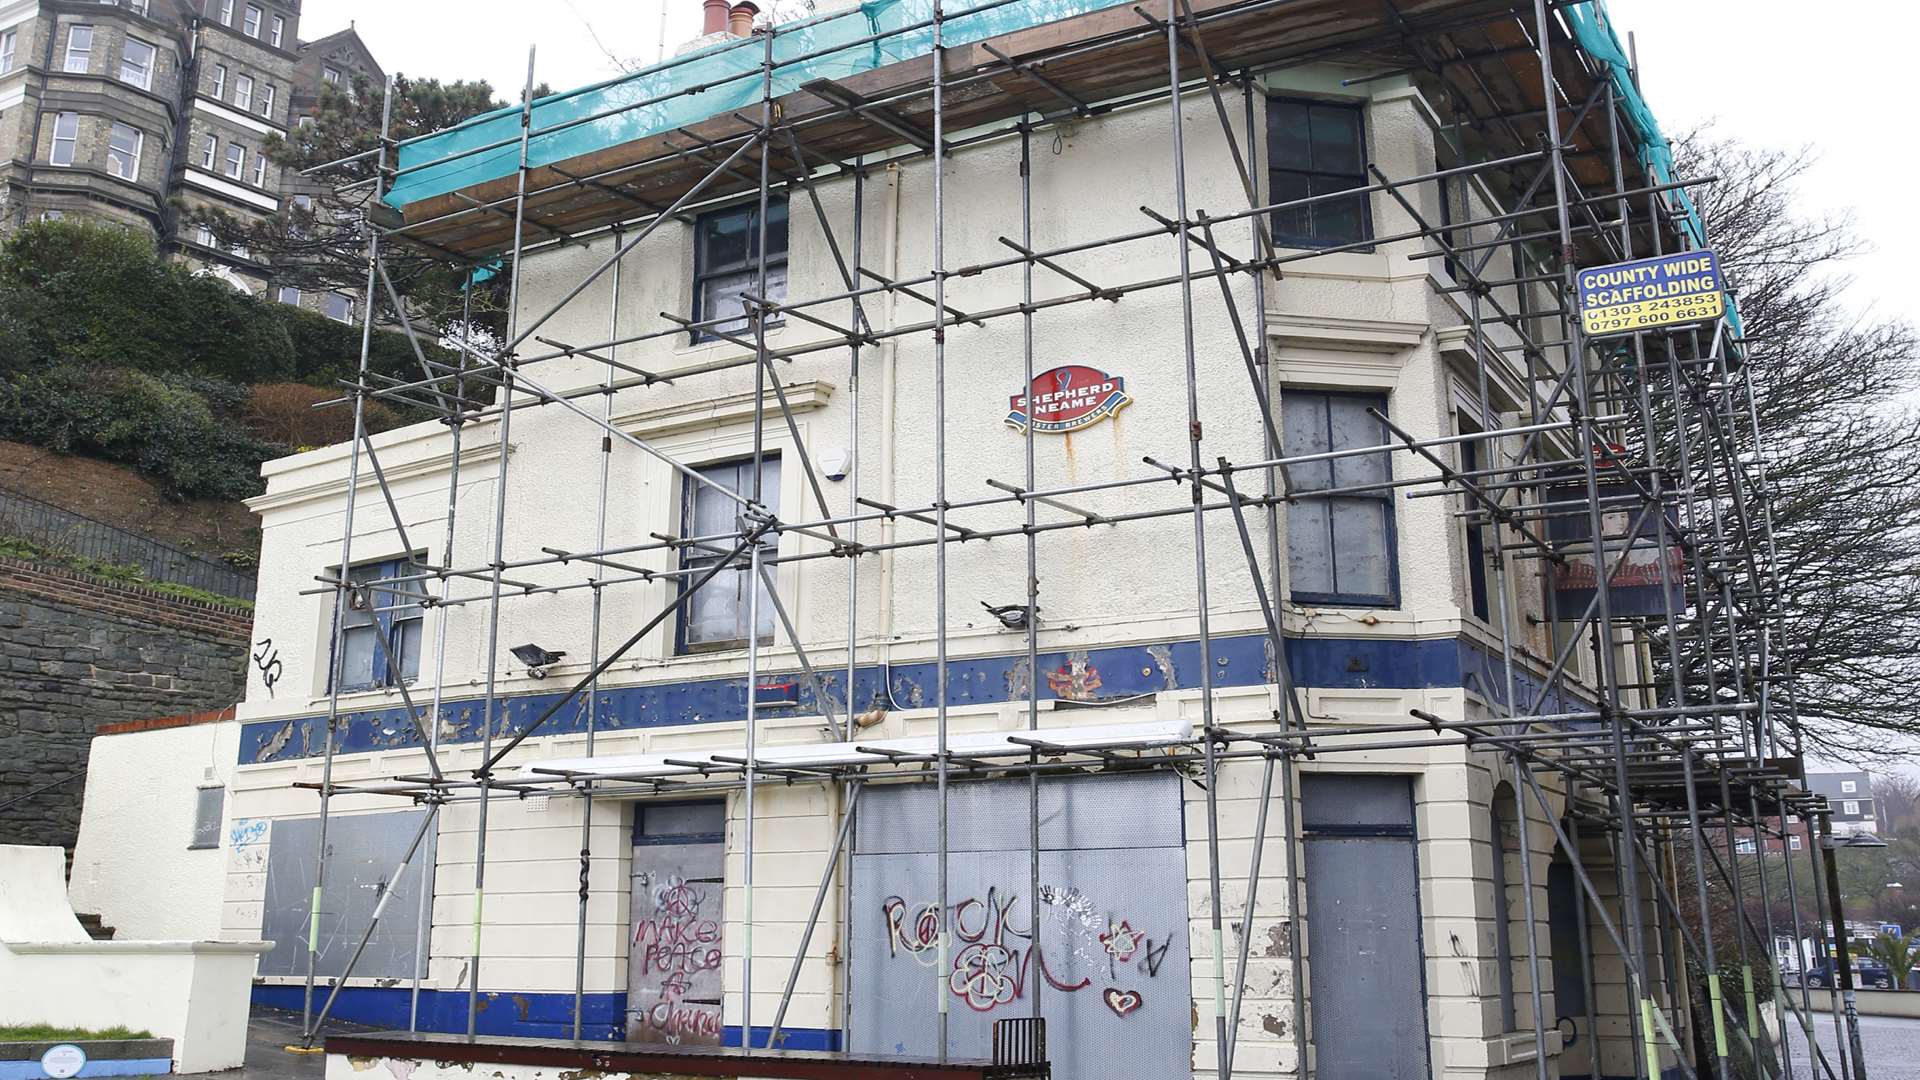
x,y
284,413
163,425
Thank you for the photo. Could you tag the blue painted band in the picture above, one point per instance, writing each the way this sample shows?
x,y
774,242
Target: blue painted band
x,y
504,1012
30,1070
1092,675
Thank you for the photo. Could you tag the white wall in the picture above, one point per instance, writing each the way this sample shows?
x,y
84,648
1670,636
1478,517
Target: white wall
x,y
132,864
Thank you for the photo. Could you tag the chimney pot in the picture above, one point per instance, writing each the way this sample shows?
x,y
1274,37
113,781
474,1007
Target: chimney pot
x,y
740,19
715,16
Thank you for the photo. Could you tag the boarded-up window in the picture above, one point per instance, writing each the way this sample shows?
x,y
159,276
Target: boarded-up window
x,y
209,803
673,960
1340,547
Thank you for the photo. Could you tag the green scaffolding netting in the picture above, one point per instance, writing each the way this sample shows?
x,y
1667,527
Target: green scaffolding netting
x,y
726,77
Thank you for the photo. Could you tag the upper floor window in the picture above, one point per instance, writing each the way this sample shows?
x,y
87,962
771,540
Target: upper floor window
x,y
259,170
331,76
279,33
1317,149
1793,842
138,7
266,100
209,150
252,26
136,63
1743,845
8,42
726,263
123,151
243,92
715,615
380,630
203,235
79,49
1848,787
339,308
1848,806
226,12
66,133
288,294
1340,547
219,80
236,159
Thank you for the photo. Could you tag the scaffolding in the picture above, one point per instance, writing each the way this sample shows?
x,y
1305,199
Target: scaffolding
x,y
1666,754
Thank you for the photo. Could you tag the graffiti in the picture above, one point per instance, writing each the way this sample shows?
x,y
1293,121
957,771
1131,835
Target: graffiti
x,y
267,659
997,951
676,945
1121,941
247,831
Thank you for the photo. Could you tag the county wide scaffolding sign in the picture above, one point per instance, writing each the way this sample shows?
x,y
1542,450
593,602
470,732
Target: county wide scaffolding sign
x,y
1667,290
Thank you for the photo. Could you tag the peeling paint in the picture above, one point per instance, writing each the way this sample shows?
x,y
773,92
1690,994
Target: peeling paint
x,y
1162,657
1019,678
275,743
363,1064
1280,939
1077,679
523,1005
1272,1024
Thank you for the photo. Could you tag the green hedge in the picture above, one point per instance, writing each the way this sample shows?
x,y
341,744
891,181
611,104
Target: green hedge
x,y
165,425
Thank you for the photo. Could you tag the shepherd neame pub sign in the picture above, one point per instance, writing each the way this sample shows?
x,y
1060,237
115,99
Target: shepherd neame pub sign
x,y
1067,399
1668,290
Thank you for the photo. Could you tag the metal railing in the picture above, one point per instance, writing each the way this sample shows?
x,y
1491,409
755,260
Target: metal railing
x,y
66,532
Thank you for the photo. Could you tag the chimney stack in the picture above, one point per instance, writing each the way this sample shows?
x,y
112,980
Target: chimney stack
x,y
715,21
740,19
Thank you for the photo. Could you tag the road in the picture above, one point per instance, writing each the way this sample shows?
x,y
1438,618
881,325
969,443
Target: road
x,y
1892,1047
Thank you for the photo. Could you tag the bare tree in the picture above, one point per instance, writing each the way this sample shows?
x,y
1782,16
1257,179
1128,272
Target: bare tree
x,y
1840,447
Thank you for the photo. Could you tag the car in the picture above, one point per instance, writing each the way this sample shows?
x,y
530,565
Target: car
x,y
1866,975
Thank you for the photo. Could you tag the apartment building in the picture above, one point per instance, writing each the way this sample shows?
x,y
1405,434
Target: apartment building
x,y
142,112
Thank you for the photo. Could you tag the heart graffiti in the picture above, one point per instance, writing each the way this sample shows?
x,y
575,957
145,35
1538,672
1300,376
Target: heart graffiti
x,y
1122,1002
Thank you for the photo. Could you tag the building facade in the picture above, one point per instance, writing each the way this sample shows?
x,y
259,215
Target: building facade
x,y
687,682
143,112
1389,605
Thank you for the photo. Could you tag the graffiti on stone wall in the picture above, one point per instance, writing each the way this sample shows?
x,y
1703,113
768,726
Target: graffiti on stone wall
x,y
996,955
673,965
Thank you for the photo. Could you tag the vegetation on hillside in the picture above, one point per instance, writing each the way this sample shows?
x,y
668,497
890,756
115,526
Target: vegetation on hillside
x,y
111,351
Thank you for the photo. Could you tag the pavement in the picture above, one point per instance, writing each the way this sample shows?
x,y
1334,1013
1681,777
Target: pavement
x,y
269,1033
1891,1047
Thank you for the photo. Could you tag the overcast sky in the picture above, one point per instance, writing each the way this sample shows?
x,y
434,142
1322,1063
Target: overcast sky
x,y
1765,71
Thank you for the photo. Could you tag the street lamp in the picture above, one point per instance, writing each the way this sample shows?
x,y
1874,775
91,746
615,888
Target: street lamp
x,y
1843,965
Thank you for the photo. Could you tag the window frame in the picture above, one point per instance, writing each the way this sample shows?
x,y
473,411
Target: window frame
x,y
703,273
153,61
642,838
1308,240
250,24
226,12
387,624
280,293
266,100
278,31
1381,398
72,140
692,560
9,45
139,145
243,92
210,152
1497,810
85,55
347,307
236,167
219,82
260,170
1850,807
